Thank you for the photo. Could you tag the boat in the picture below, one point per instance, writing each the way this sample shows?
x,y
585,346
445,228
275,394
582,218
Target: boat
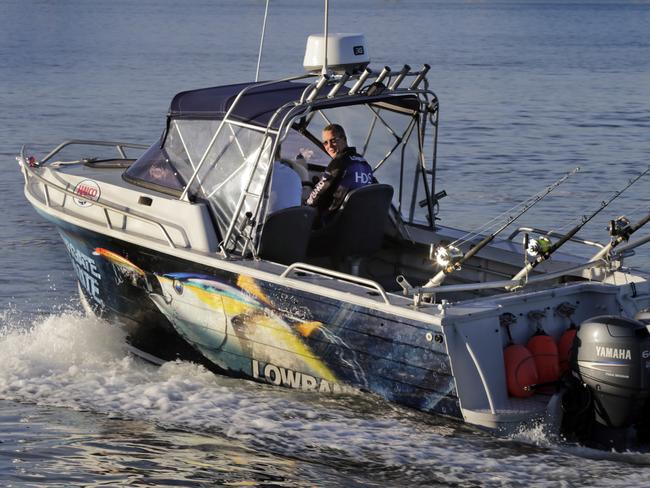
x,y
180,247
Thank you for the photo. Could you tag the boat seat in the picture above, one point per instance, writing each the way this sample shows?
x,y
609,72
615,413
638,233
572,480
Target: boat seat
x,y
357,229
286,234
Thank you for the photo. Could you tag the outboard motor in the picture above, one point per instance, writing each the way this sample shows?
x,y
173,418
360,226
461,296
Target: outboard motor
x,y
611,360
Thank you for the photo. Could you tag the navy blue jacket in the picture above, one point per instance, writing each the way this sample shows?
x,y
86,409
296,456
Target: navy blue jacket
x,y
347,171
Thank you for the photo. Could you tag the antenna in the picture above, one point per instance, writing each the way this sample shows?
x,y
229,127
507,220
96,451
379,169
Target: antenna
x,y
259,55
326,28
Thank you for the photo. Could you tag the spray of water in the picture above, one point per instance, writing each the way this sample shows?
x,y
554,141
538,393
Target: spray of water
x,y
79,362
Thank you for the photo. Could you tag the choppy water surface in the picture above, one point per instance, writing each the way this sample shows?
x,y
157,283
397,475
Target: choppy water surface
x,y
89,412
528,91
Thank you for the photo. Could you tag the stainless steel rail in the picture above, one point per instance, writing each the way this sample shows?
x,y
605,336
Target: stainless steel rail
x,y
419,292
336,274
623,250
119,146
30,173
553,234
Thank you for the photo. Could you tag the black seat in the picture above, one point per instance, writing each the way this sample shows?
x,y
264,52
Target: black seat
x,y
286,234
357,230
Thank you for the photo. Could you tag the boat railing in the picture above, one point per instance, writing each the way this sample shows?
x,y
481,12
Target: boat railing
x,y
119,147
30,172
366,283
552,233
420,293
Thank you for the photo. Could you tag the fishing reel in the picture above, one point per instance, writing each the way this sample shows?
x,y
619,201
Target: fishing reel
x,y
619,227
446,256
536,247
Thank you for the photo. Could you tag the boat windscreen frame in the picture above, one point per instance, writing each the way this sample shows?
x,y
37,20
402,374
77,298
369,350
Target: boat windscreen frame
x,y
426,110
236,222
307,110
242,232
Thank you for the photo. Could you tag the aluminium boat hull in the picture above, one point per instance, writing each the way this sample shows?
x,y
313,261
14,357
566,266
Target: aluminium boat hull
x,y
246,327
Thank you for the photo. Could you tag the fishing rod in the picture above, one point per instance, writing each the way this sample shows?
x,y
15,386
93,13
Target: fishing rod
x,y
620,231
451,258
543,249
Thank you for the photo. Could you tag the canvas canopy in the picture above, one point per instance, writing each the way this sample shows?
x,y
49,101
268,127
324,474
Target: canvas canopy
x,y
259,103
256,107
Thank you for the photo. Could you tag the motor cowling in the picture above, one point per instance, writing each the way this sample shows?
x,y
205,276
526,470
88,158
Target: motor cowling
x,y
612,359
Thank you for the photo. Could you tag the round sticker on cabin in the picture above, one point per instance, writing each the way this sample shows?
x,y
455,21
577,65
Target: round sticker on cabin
x,y
87,189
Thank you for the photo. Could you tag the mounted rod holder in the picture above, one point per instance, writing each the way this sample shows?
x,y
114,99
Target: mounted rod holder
x,y
344,78
362,79
382,76
400,77
420,76
318,87
404,284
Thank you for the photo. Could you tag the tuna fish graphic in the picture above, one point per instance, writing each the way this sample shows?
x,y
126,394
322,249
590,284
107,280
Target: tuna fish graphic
x,y
230,325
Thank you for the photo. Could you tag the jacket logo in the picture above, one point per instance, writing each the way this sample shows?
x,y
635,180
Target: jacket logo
x,y
613,352
363,178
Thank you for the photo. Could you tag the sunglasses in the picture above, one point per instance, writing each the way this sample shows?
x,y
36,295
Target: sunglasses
x,y
330,141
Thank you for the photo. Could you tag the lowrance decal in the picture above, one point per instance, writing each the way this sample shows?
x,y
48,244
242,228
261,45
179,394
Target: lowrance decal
x,y
279,376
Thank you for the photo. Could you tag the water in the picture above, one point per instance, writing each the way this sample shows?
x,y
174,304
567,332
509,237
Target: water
x,y
528,90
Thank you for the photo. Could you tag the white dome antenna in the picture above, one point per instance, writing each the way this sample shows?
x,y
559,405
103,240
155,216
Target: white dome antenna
x,y
346,53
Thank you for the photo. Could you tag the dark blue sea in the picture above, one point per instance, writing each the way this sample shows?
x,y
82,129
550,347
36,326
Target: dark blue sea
x,y
528,90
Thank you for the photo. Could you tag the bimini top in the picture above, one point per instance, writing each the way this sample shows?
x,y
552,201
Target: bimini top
x,y
259,104
256,107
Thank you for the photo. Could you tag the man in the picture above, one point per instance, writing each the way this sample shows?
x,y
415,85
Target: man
x,y
347,171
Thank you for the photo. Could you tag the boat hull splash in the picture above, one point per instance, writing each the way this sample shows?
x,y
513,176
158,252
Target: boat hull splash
x,y
244,327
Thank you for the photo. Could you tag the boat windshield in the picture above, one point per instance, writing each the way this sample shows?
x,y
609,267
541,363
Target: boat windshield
x,y
231,161
154,170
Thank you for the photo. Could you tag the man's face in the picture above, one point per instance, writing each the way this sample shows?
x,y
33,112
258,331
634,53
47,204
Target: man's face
x,y
333,145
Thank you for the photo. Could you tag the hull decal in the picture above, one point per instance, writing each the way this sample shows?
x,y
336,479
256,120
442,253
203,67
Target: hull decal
x,y
88,189
279,376
86,271
244,327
